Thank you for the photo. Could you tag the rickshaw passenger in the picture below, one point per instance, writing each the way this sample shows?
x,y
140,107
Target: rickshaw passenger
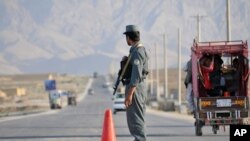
x,y
234,87
207,66
218,81
211,70
188,84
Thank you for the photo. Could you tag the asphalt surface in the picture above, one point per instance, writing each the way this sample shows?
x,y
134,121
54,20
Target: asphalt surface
x,y
84,122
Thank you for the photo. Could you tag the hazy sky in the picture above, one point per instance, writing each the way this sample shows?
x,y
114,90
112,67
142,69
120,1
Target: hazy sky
x,y
82,36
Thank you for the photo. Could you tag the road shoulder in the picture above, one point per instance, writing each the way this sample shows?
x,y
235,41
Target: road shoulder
x,y
173,114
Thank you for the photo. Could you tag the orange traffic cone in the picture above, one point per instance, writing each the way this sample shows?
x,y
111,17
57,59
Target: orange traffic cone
x,y
108,132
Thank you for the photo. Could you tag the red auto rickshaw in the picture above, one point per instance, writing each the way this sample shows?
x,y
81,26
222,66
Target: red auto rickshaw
x,y
226,102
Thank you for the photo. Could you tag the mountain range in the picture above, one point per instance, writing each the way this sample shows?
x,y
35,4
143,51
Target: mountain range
x,y
85,36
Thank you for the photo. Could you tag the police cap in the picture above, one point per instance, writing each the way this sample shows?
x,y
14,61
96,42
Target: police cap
x,y
131,28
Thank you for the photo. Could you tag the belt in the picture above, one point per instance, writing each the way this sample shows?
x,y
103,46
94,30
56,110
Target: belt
x,y
127,81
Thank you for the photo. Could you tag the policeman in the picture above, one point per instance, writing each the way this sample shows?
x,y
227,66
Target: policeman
x,y
135,90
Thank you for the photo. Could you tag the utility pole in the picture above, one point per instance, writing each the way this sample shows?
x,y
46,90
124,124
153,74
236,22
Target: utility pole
x,y
228,24
179,65
151,75
165,67
198,19
112,68
157,74
228,21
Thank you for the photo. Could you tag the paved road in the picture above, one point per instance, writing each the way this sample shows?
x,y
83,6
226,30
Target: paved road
x,y
84,123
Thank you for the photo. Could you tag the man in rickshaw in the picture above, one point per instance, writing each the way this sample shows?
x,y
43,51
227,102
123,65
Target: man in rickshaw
x,y
211,71
233,87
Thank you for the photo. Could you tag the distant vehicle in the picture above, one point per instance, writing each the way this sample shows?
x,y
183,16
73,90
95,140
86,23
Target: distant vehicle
x,y
118,102
91,91
95,74
106,85
55,100
71,99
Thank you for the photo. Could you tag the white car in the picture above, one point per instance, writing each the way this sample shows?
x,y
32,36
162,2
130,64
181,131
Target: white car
x,y
106,85
118,102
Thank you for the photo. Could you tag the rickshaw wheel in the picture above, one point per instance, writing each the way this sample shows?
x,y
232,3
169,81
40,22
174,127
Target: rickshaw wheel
x,y
198,125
